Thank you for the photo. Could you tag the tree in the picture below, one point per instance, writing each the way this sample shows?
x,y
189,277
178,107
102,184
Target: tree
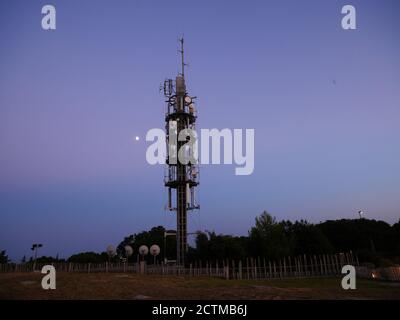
x,y
396,236
148,238
3,257
45,259
211,247
306,238
267,238
359,234
86,257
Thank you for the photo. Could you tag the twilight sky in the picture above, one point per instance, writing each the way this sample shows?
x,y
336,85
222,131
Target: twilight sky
x,y
324,103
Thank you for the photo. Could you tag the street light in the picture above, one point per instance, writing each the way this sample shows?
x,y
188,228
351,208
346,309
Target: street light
x,y
35,248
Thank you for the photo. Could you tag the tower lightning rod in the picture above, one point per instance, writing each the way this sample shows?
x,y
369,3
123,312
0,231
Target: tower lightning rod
x,y
181,40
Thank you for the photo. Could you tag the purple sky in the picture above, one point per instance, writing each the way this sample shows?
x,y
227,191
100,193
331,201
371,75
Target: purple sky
x,y
324,104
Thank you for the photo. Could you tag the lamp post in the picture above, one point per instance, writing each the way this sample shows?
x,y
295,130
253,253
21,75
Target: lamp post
x,y
35,248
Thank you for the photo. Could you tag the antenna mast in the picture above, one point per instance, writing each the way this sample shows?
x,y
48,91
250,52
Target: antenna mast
x,y
181,178
181,40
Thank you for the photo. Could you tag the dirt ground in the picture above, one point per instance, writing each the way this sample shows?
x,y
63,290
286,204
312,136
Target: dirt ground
x,y
130,286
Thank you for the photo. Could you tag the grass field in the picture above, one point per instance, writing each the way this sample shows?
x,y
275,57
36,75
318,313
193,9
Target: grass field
x,y
130,286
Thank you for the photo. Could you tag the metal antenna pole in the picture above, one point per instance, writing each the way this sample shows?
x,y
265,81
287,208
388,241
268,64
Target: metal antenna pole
x,y
181,40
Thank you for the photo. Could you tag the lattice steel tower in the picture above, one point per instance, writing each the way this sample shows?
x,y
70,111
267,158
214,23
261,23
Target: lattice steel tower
x,y
180,178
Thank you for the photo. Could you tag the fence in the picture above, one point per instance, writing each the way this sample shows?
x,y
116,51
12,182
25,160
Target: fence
x,y
250,268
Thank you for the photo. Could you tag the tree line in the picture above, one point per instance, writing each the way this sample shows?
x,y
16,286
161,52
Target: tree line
x,y
373,241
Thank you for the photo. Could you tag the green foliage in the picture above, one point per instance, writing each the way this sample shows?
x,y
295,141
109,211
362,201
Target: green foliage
x,y
268,238
45,259
3,257
374,241
148,238
85,257
360,234
210,246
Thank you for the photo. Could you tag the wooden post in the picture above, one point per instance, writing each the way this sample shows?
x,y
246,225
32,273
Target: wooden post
x,y
311,266
226,268
284,267
321,265
328,271
301,266
338,271
270,269
265,270
227,272
240,270
337,268
321,257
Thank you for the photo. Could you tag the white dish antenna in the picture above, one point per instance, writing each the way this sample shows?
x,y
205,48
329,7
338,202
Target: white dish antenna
x,y
154,250
188,100
143,250
111,251
128,251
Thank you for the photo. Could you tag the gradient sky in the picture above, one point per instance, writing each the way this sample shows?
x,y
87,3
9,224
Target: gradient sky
x,y
324,104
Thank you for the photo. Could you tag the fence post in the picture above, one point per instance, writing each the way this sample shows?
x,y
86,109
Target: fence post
x,y
254,265
247,268
240,270
226,272
284,267
270,269
311,266
265,269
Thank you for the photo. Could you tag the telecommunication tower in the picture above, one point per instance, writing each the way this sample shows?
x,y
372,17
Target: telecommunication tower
x,y
181,179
